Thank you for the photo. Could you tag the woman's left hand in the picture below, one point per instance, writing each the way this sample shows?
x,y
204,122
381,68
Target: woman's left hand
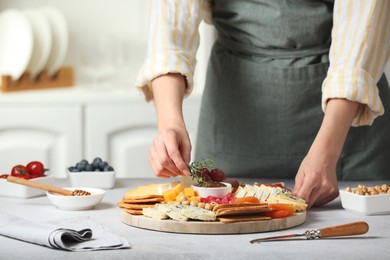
x,y
316,180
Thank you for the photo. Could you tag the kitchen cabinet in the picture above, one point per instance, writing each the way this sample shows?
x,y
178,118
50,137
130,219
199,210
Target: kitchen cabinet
x,y
50,134
124,133
61,127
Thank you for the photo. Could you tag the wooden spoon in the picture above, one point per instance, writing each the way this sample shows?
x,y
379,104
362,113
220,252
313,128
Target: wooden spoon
x,y
47,187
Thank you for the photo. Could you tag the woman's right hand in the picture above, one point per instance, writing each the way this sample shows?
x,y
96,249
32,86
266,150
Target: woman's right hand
x,y
171,150
170,153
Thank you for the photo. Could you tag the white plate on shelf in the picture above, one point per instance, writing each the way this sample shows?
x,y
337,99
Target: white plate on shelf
x,y
16,44
42,41
59,29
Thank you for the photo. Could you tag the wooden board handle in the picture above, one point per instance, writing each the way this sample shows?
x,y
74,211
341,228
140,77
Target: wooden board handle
x,y
355,228
38,185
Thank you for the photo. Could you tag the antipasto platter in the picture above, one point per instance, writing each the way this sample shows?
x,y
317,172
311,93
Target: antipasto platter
x,y
209,203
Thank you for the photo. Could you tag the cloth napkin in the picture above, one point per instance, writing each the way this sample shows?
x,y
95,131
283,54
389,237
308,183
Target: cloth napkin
x,y
62,234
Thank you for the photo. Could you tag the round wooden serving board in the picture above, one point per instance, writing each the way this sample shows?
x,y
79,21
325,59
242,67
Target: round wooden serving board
x,y
200,227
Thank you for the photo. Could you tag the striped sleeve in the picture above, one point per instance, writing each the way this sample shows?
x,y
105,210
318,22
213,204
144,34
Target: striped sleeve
x,y
358,55
173,41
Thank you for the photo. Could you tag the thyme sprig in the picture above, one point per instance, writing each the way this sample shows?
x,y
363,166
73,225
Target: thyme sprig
x,y
197,170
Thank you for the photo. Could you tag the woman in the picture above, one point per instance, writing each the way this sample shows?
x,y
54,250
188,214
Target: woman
x,y
261,110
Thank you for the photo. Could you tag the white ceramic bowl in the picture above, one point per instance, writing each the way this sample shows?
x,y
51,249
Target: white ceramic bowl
x,y
9,189
77,202
218,192
102,180
367,205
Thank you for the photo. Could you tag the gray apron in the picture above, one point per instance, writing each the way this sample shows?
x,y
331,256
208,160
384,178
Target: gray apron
x,y
261,107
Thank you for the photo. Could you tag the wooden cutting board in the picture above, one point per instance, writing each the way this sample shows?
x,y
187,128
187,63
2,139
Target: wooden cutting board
x,y
199,227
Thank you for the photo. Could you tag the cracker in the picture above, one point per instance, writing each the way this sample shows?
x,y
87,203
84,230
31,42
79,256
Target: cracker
x,y
241,210
141,201
134,211
149,196
244,218
122,204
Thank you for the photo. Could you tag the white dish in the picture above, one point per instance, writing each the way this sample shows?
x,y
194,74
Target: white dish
x,y
218,192
77,202
367,205
42,41
16,44
103,180
59,29
8,189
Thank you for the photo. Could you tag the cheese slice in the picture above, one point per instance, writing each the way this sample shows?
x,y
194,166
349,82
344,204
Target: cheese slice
x,y
154,213
198,213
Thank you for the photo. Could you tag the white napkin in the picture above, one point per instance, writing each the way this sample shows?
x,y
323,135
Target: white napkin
x,y
62,235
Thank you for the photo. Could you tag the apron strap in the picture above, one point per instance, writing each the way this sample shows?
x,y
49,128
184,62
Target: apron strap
x,y
273,53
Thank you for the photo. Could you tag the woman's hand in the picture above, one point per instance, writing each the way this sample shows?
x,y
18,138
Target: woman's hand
x,y
171,149
316,181
170,153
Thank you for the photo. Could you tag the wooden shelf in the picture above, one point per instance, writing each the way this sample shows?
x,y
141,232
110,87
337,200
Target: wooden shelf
x,y
63,78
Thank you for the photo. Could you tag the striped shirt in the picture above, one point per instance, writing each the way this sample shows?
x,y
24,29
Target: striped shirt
x,y
358,54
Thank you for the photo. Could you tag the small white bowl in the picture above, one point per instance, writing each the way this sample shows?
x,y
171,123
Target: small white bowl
x,y
102,180
367,205
77,202
9,189
218,192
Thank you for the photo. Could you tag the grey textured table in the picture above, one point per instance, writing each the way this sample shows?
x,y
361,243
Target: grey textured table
x,y
148,244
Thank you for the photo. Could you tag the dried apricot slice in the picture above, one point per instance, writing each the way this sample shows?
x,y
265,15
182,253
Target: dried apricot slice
x,y
247,200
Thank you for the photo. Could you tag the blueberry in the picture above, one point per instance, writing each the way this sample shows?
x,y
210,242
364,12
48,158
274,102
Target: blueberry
x,y
102,165
108,168
84,162
80,166
72,168
96,162
89,168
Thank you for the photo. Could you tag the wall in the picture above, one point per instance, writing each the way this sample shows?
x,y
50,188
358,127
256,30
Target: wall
x,y
108,39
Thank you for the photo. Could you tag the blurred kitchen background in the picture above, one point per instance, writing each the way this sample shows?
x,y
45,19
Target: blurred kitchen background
x,y
102,115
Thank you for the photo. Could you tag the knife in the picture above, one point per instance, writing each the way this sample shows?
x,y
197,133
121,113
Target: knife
x,y
350,229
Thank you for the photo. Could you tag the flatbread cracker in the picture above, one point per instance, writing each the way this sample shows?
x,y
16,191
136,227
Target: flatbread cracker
x,y
148,196
122,204
134,211
141,201
244,218
241,210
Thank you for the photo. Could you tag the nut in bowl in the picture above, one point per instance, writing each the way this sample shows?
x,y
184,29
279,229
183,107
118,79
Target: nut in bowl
x,y
219,191
77,202
97,174
367,200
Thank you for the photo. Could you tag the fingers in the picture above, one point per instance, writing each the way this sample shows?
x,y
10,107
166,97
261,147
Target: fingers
x,y
315,187
170,154
176,162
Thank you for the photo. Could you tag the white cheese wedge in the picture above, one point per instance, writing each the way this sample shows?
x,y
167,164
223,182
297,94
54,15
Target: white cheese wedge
x,y
154,213
250,191
198,213
173,211
240,193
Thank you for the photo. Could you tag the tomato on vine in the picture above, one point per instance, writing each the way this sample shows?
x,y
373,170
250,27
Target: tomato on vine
x,y
20,171
36,169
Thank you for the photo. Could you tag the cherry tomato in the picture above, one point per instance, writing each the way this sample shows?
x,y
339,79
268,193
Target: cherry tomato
x,y
20,171
36,169
4,176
